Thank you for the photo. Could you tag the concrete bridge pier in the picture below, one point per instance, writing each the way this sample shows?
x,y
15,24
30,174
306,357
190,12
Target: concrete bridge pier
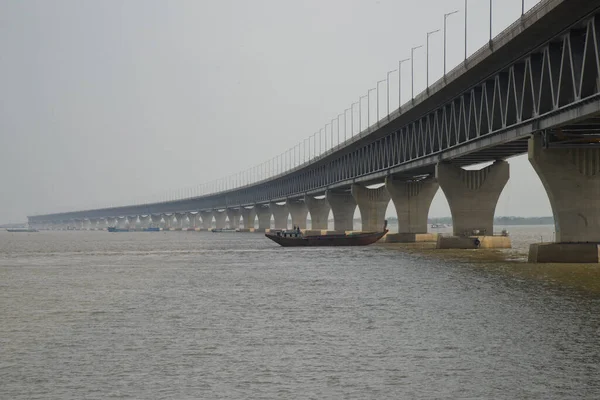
x,y
263,212
280,215
319,214
299,212
111,222
179,223
207,217
122,222
412,200
168,218
249,215
156,220
342,207
372,204
220,216
234,217
194,220
472,196
571,178
132,221
144,221
102,224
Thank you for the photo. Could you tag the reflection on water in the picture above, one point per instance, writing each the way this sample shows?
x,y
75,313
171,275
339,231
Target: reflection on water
x,y
188,315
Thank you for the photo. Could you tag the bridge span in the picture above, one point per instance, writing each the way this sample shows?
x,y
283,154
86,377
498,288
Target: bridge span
x,y
535,88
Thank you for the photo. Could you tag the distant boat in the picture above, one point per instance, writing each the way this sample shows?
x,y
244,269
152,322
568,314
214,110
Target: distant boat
x,y
151,229
22,230
215,230
296,238
115,229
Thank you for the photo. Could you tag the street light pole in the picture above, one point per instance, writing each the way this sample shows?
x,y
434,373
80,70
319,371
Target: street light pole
x,y
465,30
369,107
412,70
378,82
387,90
338,124
491,22
446,17
352,119
360,113
400,82
346,123
427,51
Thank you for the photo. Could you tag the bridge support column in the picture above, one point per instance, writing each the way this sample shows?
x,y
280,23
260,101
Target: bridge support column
x,y
280,215
319,214
472,196
207,217
342,206
144,221
179,223
412,200
372,204
168,221
249,215
193,219
122,222
156,220
111,222
571,178
234,217
298,211
264,217
220,216
132,221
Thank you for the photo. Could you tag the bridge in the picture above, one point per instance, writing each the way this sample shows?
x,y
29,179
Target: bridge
x,y
534,88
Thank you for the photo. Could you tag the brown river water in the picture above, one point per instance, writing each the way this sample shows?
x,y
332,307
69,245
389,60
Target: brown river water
x,y
197,315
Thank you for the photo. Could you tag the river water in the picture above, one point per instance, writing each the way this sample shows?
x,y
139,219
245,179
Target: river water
x,y
197,315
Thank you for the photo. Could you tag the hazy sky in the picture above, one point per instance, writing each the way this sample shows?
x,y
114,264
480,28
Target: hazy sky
x,y
108,102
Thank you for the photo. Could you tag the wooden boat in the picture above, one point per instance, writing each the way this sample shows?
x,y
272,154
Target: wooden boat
x,y
296,238
222,230
21,230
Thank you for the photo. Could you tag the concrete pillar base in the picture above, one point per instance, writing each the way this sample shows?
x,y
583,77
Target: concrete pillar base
x,y
468,242
574,253
410,237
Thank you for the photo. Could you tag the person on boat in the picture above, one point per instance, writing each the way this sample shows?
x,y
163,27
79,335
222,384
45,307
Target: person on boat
x,y
477,242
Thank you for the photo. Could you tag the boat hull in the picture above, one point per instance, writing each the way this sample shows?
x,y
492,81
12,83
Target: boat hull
x,y
359,239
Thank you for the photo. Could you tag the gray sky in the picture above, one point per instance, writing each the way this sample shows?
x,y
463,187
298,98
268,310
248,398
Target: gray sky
x,y
109,102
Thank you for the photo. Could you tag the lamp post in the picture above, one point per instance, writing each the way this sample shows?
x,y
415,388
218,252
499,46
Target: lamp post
x,y
360,113
326,135
491,7
378,82
346,124
321,139
427,51
338,124
369,107
522,7
400,82
445,17
388,91
352,119
314,145
465,30
412,70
